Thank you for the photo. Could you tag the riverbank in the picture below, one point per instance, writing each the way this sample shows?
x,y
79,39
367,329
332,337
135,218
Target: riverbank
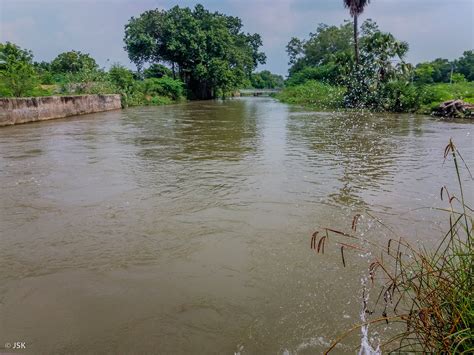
x,y
31,109
422,99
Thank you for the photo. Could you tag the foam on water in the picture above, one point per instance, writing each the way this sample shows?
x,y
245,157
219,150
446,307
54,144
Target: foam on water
x,y
365,347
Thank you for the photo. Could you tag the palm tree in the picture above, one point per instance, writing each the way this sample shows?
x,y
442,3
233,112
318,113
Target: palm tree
x,y
356,8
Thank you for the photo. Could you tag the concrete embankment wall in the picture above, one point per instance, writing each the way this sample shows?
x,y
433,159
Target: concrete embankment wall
x,y
31,109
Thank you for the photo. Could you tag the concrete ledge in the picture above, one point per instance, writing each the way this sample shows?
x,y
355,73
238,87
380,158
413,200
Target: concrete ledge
x,y
30,109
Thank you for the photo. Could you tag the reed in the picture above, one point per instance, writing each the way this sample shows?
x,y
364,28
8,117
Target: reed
x,y
430,292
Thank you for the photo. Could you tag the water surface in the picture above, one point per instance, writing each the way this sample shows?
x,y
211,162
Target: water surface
x,y
186,228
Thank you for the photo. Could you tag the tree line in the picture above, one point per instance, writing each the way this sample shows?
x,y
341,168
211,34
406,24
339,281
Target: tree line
x,y
198,54
373,74
180,52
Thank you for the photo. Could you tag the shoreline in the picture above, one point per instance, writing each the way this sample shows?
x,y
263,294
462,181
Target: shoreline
x,y
15,111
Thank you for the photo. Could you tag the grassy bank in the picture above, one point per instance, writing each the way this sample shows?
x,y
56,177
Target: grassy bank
x,y
150,91
313,94
396,97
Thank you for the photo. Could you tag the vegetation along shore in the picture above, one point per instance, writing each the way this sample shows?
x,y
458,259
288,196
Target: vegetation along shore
x,y
337,67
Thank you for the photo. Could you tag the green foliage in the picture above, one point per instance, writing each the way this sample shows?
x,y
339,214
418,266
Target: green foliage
x,y
399,96
381,80
431,96
445,71
73,62
11,52
393,96
165,87
424,73
45,75
87,81
17,79
458,78
157,71
314,94
266,80
17,74
325,73
465,65
325,48
121,77
209,50
326,42
437,71
74,73
160,100
368,83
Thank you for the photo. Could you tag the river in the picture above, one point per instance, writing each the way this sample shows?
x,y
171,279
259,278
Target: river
x,y
186,228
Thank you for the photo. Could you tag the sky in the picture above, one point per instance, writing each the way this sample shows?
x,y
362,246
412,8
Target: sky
x,y
433,28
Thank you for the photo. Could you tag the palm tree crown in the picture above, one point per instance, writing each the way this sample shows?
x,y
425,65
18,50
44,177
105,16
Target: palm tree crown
x,y
356,7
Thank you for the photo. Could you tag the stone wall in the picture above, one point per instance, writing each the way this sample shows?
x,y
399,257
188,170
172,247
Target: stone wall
x,y
31,109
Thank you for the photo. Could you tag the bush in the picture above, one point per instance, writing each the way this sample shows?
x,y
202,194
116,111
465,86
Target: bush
x,y
121,77
87,82
18,79
160,100
431,96
400,96
325,73
17,74
73,62
164,86
157,71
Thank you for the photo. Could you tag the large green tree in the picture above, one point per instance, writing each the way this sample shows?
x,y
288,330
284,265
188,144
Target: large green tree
x,y
356,8
73,62
266,80
443,70
17,74
317,57
465,65
209,51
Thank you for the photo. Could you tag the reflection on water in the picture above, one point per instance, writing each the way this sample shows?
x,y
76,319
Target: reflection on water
x,y
184,228
362,150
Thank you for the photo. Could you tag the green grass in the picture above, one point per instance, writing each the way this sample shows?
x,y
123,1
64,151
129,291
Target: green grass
x,y
431,96
313,94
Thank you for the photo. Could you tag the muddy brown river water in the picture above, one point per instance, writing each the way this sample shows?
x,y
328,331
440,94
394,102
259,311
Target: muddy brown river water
x,y
185,229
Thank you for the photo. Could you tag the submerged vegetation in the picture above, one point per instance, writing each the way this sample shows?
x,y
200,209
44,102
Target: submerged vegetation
x,y
430,292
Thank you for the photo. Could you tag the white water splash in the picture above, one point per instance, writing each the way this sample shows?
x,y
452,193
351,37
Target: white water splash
x,y
365,346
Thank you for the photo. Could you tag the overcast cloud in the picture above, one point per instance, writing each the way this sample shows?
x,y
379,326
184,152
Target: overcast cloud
x,y
433,28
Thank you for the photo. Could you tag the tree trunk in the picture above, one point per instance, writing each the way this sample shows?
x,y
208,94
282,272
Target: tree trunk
x,y
356,41
200,89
